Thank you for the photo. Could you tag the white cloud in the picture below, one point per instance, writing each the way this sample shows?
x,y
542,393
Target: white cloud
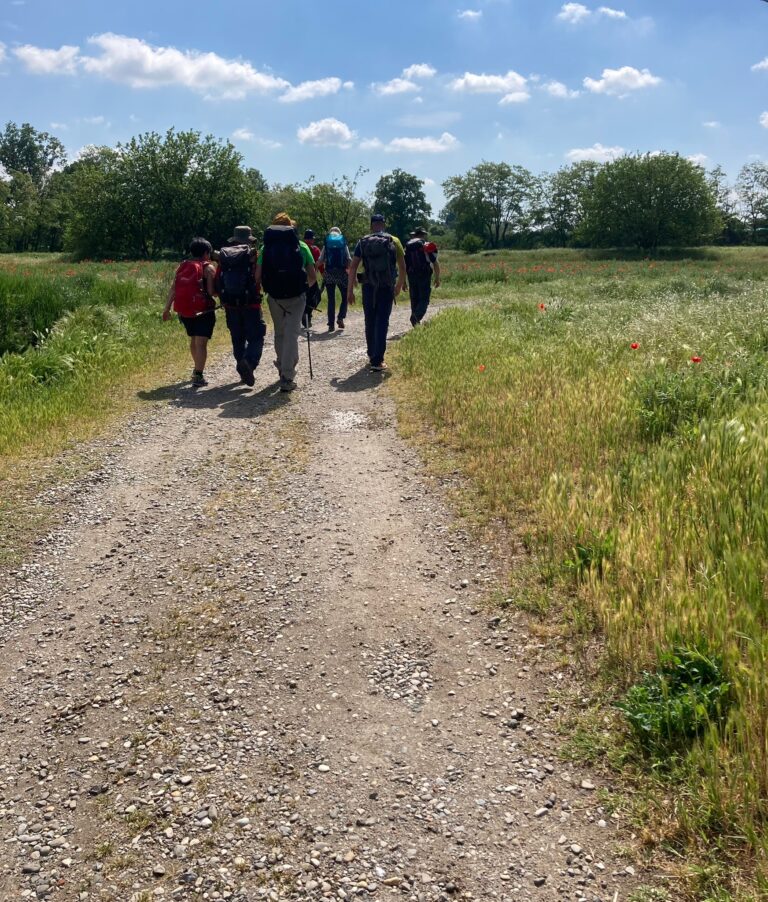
x,y
59,126
764,120
95,120
309,90
39,61
395,86
445,142
327,133
612,13
763,64
513,86
419,70
2,51
244,134
597,152
618,82
470,15
698,158
558,89
573,13
429,182
711,124
139,64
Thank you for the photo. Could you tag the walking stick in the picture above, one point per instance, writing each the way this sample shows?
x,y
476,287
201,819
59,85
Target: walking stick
x,y
309,354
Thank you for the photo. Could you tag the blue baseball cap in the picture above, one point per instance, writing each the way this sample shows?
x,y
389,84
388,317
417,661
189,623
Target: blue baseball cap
x,y
378,217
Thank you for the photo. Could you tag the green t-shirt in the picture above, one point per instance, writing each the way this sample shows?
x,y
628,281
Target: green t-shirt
x,y
306,255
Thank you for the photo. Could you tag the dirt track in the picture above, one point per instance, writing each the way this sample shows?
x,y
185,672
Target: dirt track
x,y
256,663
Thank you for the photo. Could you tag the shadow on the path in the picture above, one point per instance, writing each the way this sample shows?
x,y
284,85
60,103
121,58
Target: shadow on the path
x,y
234,399
326,335
362,380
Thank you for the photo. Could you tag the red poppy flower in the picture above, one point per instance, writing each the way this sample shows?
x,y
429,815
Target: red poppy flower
x,y
542,306
695,359
481,368
634,346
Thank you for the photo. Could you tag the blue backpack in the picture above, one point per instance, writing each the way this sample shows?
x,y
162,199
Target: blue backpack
x,y
335,258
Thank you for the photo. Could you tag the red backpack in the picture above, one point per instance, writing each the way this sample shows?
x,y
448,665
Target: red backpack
x,y
189,294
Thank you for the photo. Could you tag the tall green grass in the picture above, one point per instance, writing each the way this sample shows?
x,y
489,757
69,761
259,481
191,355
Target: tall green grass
x,y
639,479
71,339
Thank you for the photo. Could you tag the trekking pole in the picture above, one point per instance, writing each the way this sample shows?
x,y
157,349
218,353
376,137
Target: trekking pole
x,y
309,354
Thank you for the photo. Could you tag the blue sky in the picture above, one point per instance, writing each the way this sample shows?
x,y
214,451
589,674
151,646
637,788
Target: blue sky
x,y
433,87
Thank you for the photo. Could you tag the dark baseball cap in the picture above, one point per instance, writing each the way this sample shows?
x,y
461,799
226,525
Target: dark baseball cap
x,y
378,217
309,233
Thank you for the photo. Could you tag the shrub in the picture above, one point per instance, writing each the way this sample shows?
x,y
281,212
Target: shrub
x,y
472,244
669,708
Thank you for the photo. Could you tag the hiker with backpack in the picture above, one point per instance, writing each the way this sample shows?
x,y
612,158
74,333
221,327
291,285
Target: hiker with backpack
x,y
420,263
240,297
334,262
314,293
191,297
383,278
286,269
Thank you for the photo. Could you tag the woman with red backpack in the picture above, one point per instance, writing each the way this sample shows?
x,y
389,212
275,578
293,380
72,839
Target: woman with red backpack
x,y
191,297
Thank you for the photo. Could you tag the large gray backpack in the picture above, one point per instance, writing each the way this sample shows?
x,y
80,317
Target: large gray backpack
x,y
378,250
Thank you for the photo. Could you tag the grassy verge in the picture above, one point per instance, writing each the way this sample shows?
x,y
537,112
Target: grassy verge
x,y
81,341
614,414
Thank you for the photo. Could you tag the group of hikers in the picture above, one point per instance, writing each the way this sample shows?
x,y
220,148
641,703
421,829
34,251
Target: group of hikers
x,y
286,269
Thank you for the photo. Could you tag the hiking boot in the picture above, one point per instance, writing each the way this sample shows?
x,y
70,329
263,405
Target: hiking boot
x,y
340,324
332,328
379,367
287,385
245,371
198,379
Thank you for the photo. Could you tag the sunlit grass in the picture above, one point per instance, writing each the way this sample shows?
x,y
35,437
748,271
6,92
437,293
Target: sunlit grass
x,y
638,477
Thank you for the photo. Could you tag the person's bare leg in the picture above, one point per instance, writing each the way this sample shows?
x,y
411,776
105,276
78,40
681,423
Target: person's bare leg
x,y
199,349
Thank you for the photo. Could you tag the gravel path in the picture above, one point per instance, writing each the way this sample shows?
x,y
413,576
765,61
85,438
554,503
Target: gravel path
x,y
255,664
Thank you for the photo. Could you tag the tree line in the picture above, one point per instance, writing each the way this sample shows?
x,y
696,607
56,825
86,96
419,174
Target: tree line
x,y
148,196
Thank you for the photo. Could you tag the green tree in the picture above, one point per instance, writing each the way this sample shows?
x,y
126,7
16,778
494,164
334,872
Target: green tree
x,y
503,199
400,197
649,201
565,194
752,191
23,206
24,149
157,192
726,201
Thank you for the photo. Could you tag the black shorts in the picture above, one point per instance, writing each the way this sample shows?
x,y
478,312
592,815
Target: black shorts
x,y
200,326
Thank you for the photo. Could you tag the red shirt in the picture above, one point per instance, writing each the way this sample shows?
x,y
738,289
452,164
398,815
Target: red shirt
x,y
315,253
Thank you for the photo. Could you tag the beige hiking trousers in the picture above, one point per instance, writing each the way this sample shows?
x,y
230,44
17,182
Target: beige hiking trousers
x,y
286,319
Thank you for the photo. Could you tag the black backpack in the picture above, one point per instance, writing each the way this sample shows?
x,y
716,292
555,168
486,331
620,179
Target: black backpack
x,y
282,265
235,283
416,260
378,250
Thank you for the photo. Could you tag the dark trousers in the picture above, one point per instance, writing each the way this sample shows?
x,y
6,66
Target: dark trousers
x,y
247,327
314,296
377,307
331,289
420,289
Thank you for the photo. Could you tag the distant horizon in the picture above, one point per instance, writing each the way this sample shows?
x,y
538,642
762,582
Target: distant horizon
x,y
433,88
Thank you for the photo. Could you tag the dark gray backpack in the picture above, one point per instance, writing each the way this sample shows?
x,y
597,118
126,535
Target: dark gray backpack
x,y
378,250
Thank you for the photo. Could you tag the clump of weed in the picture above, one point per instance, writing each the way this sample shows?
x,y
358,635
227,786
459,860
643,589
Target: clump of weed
x,y
670,707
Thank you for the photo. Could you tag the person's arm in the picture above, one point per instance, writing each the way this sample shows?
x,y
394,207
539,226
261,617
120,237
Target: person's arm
x,y
436,271
169,302
210,281
400,274
352,279
311,272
